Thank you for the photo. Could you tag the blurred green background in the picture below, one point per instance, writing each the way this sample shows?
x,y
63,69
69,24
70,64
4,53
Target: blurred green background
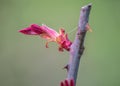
x,y
24,60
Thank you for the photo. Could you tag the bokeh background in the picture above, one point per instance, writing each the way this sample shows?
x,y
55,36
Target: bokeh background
x,y
24,60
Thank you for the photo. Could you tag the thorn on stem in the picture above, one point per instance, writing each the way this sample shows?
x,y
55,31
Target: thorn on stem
x,y
66,67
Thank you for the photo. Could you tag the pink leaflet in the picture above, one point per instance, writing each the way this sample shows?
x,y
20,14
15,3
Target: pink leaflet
x,y
49,34
67,82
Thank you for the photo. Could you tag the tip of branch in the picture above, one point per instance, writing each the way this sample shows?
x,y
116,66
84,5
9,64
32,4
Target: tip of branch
x,y
87,6
84,16
90,4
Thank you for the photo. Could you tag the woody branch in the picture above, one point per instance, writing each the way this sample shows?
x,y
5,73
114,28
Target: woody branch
x,y
77,47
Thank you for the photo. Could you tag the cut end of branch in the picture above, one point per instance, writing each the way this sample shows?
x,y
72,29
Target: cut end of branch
x,y
84,16
88,6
